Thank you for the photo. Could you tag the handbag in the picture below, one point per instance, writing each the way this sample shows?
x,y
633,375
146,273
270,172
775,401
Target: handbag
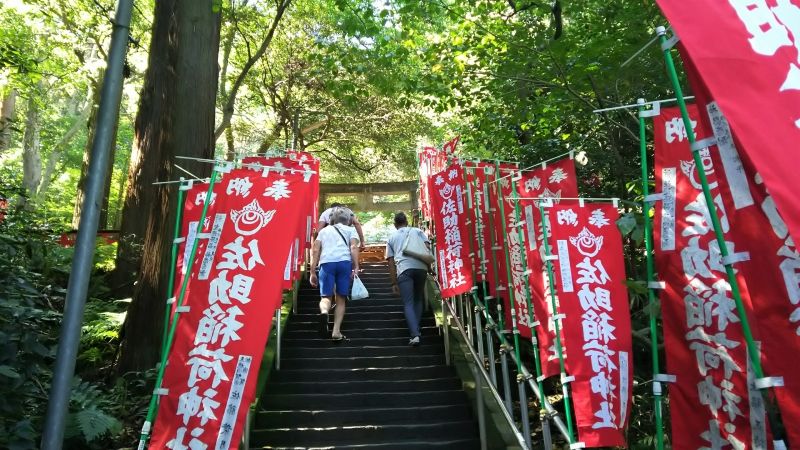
x,y
358,291
414,247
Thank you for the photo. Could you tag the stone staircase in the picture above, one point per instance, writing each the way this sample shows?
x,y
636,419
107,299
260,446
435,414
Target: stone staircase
x,y
372,391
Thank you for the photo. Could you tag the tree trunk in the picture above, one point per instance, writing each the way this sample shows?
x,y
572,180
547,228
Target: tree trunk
x,y
231,144
91,123
175,118
152,132
31,158
103,222
115,224
227,47
7,119
58,151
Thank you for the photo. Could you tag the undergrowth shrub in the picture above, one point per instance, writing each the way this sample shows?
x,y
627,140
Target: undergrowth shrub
x,y
104,411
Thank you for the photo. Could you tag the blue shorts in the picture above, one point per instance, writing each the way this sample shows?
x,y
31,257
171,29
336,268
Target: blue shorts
x,y
335,273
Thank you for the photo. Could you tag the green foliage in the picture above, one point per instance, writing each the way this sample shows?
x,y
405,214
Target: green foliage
x,y
51,54
87,417
16,49
33,276
359,83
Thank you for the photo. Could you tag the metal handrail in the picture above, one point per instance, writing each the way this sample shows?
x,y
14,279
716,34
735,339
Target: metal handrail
x,y
479,364
548,407
550,412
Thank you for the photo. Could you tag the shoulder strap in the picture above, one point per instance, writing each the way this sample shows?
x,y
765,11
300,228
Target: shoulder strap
x,y
346,244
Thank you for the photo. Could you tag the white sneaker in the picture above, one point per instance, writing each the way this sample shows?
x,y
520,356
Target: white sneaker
x,y
414,341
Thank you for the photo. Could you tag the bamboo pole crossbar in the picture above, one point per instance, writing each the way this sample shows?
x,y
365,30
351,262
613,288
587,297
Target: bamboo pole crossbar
x,y
638,105
542,163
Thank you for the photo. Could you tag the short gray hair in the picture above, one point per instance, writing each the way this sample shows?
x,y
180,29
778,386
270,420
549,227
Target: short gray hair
x,y
340,215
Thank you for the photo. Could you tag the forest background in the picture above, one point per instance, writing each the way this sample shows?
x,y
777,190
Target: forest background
x,y
361,84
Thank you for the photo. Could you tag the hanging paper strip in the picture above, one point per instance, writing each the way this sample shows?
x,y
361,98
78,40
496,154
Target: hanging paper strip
x,y
554,181
449,205
748,54
713,402
235,283
772,267
596,319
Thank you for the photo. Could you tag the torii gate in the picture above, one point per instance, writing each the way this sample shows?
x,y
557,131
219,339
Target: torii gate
x,y
365,195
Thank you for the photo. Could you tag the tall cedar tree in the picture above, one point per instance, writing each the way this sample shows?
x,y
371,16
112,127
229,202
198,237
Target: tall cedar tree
x,y
175,118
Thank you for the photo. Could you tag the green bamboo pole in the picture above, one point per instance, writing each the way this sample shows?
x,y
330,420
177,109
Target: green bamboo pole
x,y
752,349
509,277
534,340
523,397
419,184
559,348
500,316
469,229
173,262
651,293
481,257
503,342
152,409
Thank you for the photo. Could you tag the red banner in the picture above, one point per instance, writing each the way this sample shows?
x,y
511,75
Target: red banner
x,y
307,160
431,161
449,206
748,54
449,147
482,178
306,167
235,283
475,178
772,266
595,318
499,187
196,194
554,181
713,402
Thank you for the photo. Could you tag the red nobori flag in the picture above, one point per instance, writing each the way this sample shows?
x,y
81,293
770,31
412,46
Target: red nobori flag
x,y
596,323
449,147
495,190
475,178
213,364
309,161
772,267
554,181
299,165
748,54
713,403
481,175
196,194
449,205
516,247
431,161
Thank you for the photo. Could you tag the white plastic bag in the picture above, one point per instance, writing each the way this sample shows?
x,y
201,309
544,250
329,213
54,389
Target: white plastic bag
x,y
359,291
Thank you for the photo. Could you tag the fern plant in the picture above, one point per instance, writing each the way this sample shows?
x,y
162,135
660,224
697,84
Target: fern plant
x,y
88,417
